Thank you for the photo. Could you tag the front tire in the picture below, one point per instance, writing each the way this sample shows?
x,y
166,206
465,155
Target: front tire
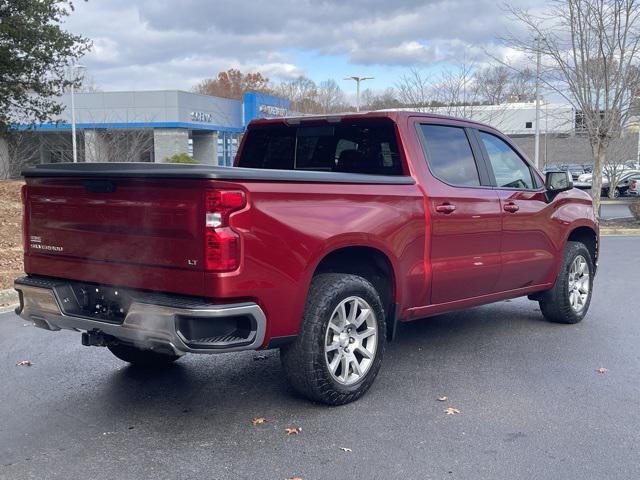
x,y
338,351
569,299
142,358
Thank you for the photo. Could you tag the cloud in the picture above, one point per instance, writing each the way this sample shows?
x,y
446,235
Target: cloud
x,y
285,71
409,52
165,44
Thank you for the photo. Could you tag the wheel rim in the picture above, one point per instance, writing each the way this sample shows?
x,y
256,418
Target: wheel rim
x,y
578,283
351,340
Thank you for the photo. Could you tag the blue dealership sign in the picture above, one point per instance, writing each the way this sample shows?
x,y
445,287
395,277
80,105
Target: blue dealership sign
x,y
262,105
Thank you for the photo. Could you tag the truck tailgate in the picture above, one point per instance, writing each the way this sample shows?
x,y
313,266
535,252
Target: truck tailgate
x,y
154,223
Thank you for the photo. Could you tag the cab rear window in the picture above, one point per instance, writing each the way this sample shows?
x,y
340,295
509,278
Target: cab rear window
x,y
355,147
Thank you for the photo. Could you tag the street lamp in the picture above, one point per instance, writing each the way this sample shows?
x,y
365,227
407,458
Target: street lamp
x,y
74,72
358,80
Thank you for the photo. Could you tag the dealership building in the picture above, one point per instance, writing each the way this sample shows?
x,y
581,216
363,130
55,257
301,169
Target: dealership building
x,y
149,126
152,126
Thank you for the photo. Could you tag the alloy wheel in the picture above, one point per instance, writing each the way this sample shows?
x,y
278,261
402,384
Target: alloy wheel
x,y
351,340
578,283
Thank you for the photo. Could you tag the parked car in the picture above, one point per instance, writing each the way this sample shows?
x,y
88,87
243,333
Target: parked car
x,y
585,181
632,165
623,184
328,233
574,169
586,177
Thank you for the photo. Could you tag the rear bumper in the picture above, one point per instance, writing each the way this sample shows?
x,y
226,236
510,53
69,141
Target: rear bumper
x,y
154,321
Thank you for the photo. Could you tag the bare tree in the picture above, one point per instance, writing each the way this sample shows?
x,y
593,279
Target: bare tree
x,y
380,101
302,92
414,89
621,151
454,92
330,97
499,83
492,84
18,149
522,86
590,51
118,145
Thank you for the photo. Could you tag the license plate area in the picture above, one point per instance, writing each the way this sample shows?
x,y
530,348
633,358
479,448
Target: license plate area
x,y
96,302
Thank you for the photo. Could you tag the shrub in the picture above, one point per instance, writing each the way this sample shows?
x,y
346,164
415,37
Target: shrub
x,y
635,209
180,158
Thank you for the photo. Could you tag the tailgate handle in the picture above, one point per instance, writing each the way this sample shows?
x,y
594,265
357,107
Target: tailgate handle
x,y
100,186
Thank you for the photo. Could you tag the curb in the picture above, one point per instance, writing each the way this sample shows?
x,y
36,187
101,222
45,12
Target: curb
x,y
619,232
617,202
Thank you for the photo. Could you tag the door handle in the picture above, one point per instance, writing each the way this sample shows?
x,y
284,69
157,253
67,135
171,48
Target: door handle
x,y
511,207
445,208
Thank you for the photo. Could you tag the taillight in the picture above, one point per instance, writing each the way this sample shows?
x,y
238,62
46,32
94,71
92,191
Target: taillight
x,y
25,222
222,243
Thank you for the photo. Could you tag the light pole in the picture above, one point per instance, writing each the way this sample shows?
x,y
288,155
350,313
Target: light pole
x,y
537,145
358,80
74,69
638,155
638,125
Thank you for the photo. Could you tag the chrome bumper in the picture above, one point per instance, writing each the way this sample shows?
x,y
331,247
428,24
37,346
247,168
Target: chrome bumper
x,y
146,324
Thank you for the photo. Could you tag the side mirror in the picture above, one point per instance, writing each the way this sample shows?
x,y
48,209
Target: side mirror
x,y
557,182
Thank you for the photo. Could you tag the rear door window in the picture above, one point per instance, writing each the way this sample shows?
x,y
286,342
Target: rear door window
x,y
449,155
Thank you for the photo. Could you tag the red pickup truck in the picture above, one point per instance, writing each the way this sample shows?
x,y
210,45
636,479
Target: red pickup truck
x,y
326,233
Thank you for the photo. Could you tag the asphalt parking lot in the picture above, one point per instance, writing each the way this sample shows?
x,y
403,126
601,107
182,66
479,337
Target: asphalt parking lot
x,y
531,402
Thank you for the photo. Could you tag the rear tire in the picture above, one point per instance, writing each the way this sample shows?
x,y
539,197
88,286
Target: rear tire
x,y
569,299
142,358
338,351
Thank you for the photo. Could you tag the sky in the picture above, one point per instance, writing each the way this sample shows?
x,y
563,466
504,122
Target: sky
x,y
169,44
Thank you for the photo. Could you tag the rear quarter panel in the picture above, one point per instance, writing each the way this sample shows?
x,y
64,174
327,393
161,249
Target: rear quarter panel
x,y
288,228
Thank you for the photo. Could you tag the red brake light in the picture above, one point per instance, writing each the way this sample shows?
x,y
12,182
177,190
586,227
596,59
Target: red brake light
x,y
222,243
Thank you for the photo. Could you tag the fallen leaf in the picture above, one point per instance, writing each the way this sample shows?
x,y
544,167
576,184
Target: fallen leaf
x,y
258,421
345,449
293,430
442,399
451,411
259,357
602,370
24,363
